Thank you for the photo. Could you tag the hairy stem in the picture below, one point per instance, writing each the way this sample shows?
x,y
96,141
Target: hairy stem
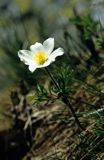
x,y
67,102
65,99
52,78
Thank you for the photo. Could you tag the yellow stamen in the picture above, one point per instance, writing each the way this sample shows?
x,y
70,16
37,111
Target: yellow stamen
x,y
40,57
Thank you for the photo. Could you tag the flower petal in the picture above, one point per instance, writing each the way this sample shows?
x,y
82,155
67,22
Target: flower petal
x,y
48,45
36,47
32,68
57,52
47,63
25,56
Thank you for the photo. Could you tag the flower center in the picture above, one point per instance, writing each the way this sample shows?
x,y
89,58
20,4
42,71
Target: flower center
x,y
41,57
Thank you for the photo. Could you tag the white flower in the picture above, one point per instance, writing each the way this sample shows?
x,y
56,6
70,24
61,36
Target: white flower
x,y
40,55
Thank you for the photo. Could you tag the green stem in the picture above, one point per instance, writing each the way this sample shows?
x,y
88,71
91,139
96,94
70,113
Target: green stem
x,y
65,99
53,79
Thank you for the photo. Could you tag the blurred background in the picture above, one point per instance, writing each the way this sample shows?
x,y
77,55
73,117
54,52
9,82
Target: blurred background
x,y
25,22
78,27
